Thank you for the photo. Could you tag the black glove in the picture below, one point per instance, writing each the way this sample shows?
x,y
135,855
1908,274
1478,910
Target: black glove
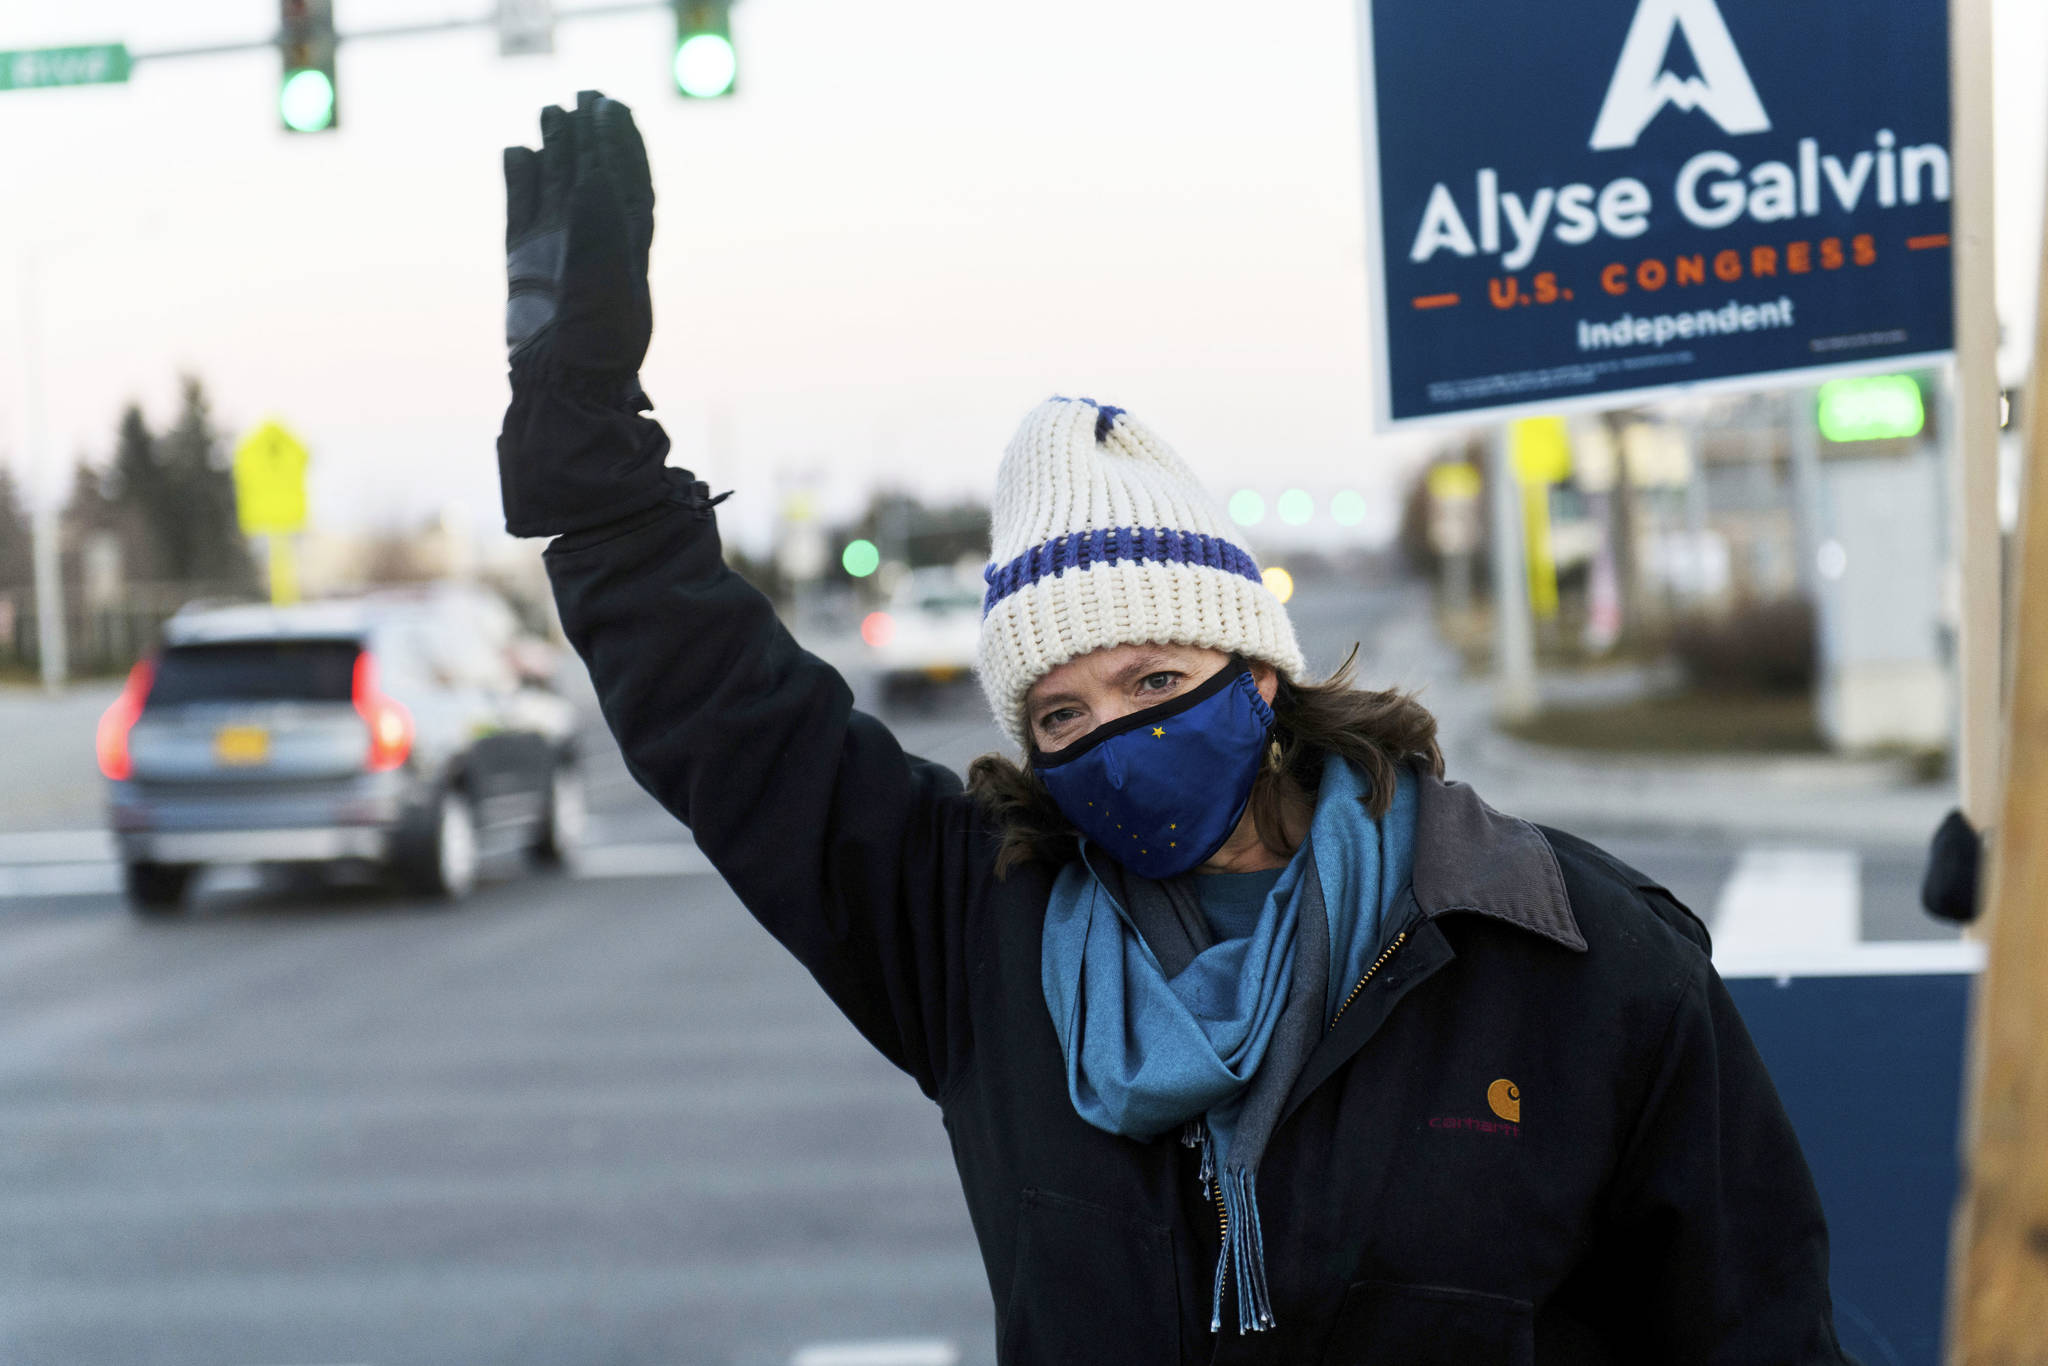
x,y
574,452
579,215
1950,887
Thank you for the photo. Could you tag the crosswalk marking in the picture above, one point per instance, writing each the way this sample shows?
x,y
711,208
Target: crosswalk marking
x,y
907,1352
1789,900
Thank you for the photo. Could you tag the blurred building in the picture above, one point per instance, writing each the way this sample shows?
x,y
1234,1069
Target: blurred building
x,y
1760,539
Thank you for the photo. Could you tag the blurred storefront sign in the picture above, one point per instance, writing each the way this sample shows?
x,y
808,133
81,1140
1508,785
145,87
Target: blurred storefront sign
x,y
1657,194
1871,408
1542,455
1885,681
1454,526
100,559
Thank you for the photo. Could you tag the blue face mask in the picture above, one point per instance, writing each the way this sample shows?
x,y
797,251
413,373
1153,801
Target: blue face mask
x,y
1162,789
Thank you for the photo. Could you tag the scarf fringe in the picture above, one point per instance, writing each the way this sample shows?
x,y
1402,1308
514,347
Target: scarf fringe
x,y
1247,1251
1245,1246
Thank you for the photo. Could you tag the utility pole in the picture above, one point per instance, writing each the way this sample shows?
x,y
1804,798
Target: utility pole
x,y
1973,463
1803,443
1514,638
52,654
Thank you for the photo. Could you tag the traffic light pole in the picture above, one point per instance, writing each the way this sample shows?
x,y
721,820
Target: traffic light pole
x,y
617,7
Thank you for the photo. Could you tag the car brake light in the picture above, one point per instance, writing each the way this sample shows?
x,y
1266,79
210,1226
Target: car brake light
x,y
110,743
389,722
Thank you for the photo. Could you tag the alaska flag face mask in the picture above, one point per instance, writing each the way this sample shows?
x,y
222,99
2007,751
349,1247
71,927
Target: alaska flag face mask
x,y
1161,789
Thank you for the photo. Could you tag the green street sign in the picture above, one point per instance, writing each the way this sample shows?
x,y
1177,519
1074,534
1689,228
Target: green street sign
x,y
39,68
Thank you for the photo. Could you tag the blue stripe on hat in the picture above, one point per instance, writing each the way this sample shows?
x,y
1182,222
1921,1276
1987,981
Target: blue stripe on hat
x,y
1137,544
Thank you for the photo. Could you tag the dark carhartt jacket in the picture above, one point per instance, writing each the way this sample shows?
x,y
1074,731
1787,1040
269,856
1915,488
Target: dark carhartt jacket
x,y
1537,1133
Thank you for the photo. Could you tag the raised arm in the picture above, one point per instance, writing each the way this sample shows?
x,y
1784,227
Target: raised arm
x,y
861,860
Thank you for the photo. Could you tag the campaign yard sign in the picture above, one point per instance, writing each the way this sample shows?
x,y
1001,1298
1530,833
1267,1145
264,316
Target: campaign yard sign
x,y
1571,203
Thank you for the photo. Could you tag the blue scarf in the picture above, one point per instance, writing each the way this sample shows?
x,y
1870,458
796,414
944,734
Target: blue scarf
x,y
1147,1052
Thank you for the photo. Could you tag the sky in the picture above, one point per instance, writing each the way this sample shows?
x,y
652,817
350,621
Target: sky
x,y
917,220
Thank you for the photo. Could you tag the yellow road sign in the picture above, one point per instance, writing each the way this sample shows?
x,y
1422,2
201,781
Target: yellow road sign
x,y
1542,450
270,480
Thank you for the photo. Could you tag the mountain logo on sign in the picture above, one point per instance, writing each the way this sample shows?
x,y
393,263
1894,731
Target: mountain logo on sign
x,y
1643,86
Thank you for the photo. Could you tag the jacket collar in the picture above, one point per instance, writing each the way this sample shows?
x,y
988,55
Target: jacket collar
x,y
1470,857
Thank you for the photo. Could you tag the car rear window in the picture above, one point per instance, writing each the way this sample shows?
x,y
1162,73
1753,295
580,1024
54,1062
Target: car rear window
x,y
256,671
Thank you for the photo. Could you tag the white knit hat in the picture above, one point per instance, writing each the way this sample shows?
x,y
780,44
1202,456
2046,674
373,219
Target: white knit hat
x,y
1101,535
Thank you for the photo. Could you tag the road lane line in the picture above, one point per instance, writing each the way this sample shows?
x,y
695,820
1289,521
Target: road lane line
x,y
59,879
667,858
56,846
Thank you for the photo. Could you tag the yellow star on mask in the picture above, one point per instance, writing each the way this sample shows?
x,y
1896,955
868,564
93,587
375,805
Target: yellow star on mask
x,y
1159,730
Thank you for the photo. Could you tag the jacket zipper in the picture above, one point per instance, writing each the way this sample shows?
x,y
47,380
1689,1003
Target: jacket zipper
x,y
1378,963
1223,1214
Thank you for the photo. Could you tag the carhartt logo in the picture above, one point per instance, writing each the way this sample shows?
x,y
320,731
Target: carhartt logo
x,y
1504,1098
1642,85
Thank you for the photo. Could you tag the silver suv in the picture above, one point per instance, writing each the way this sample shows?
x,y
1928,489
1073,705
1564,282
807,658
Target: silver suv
x,y
393,730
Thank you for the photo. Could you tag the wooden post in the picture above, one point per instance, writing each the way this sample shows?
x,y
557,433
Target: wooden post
x,y
1998,1287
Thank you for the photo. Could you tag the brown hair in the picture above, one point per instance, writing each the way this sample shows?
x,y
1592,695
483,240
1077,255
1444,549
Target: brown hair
x,y
1374,730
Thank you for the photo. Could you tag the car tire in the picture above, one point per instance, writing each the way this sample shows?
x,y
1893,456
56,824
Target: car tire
x,y
565,820
440,857
156,890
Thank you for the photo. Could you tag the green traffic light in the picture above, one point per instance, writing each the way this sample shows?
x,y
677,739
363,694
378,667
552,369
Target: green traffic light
x,y
306,101
705,66
861,558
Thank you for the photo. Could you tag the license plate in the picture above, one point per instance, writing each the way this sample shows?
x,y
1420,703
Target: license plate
x,y
240,746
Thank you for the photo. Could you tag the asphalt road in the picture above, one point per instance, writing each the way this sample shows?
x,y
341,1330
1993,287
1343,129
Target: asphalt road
x,y
579,1119
596,1122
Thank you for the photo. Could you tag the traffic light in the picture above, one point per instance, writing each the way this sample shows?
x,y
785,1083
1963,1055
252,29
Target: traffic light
x,y
860,558
705,66
305,93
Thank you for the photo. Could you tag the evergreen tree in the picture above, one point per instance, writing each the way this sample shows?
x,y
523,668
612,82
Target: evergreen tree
x,y
17,563
125,498
170,497
195,512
